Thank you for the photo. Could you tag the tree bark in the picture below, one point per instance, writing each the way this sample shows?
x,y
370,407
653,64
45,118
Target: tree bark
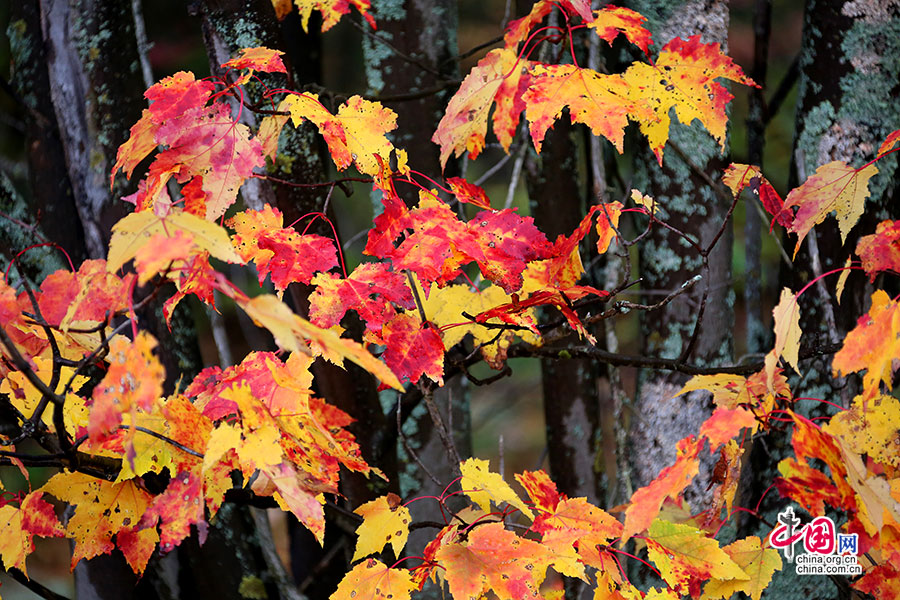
x,y
688,203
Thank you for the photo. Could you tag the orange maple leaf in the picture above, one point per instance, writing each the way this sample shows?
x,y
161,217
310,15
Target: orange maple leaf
x,y
671,481
332,10
602,102
493,558
873,345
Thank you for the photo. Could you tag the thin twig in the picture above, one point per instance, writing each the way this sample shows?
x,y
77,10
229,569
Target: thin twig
x,y
445,436
412,453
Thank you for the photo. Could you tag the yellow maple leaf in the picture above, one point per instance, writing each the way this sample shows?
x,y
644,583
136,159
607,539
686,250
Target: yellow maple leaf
x,y
484,487
787,333
684,553
373,580
102,509
355,135
134,231
870,427
385,521
757,562
683,78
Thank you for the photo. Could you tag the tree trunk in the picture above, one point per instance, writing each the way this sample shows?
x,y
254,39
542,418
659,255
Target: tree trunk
x,y
696,326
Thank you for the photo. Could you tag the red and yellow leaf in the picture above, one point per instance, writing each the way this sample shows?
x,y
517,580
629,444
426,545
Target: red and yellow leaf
x,y
835,186
611,21
406,332
683,78
686,557
332,10
258,59
18,526
501,77
881,250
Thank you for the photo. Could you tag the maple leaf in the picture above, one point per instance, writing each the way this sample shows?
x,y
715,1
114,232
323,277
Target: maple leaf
x,y
500,77
869,427
176,509
169,98
607,222
600,101
468,193
18,526
881,250
740,176
873,345
671,481
493,558
136,230
258,59
484,487
727,474
810,442
372,290
683,78
296,334
356,134
406,331
293,496
725,423
90,294
541,490
25,397
881,581
332,11
388,225
385,521
373,580
518,30
685,556
889,142
201,142
611,21
160,251
196,277
787,334
138,547
102,509
295,257
807,486
507,242
439,243
134,379
757,562
445,307
835,186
